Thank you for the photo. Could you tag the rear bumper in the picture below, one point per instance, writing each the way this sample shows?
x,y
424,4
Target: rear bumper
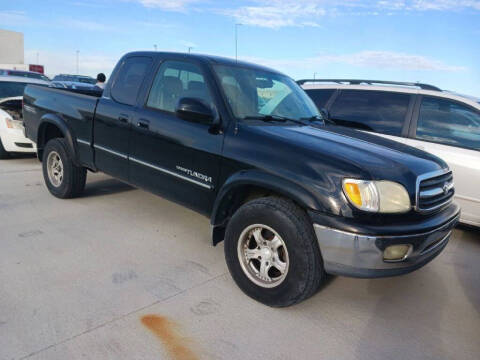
x,y
351,254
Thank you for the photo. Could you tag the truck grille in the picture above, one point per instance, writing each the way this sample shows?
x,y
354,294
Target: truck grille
x,y
434,190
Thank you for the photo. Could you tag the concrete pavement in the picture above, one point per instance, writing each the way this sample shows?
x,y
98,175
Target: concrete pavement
x,y
123,274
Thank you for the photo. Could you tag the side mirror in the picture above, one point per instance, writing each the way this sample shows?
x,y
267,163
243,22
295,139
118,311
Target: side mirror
x,y
325,114
195,110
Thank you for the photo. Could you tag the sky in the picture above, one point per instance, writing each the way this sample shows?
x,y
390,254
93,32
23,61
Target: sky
x,y
432,41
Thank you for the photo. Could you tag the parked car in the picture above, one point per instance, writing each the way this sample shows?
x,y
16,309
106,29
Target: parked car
x,y
421,115
22,73
12,137
245,146
74,82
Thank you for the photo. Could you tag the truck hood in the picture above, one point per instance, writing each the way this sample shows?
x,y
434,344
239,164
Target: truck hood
x,y
367,155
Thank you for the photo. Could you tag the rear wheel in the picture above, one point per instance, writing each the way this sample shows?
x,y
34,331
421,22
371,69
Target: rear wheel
x,y
272,252
3,153
63,178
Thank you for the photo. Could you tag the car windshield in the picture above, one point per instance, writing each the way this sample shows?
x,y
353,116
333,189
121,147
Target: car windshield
x,y
255,93
11,89
31,75
75,78
87,80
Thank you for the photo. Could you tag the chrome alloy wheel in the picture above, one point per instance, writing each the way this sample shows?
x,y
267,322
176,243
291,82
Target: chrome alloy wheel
x,y
55,169
263,255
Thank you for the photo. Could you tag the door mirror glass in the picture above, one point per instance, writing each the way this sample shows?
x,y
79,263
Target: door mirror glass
x,y
192,109
325,114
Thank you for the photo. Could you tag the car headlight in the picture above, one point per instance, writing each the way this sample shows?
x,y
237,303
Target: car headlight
x,y
377,196
14,124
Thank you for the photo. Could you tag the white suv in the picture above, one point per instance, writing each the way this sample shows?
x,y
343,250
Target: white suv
x,y
421,115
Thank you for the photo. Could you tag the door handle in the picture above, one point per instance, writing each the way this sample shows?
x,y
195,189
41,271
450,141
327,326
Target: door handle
x,y
123,118
144,124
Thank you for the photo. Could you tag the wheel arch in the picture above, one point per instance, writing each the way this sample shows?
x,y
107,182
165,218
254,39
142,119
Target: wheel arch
x,y
248,185
53,126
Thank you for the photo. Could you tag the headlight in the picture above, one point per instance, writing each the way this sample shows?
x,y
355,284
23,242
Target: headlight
x,y
377,196
14,124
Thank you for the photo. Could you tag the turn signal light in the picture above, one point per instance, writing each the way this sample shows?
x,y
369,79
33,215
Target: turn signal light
x,y
353,193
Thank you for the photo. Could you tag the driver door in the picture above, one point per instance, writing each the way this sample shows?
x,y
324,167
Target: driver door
x,y
175,158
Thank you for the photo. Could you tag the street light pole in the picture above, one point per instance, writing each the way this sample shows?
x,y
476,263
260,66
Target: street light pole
x,y
78,52
190,49
37,58
155,47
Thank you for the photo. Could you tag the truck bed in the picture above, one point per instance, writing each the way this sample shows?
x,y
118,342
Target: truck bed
x,y
76,109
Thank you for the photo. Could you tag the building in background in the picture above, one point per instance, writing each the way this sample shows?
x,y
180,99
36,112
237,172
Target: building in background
x,y
12,53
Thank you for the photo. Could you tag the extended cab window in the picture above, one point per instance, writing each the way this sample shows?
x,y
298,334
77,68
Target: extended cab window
x,y
176,80
320,96
448,122
379,111
129,79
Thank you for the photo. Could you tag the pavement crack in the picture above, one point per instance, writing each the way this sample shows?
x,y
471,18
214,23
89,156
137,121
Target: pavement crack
x,y
64,341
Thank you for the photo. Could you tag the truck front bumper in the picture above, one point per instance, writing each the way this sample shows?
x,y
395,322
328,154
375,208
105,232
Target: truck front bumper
x,y
351,254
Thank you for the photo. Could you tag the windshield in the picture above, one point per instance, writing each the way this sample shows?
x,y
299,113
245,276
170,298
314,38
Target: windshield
x,y
255,93
11,89
29,75
75,78
87,80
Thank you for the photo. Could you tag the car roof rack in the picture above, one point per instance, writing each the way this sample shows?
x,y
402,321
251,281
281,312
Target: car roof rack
x,y
372,82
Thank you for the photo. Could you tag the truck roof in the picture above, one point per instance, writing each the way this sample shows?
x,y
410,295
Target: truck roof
x,y
211,59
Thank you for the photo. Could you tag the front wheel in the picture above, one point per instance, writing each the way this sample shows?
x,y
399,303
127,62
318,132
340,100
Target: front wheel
x,y
272,252
63,178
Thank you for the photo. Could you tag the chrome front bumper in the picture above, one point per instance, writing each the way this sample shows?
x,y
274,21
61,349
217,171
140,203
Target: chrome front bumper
x,y
355,255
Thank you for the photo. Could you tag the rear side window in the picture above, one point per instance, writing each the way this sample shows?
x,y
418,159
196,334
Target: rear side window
x,y
175,80
448,122
129,79
377,111
320,96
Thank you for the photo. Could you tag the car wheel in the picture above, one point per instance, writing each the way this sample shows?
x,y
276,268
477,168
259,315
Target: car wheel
x,y
272,252
63,178
3,153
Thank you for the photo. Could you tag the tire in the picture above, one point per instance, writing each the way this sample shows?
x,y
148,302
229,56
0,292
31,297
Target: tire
x,y
3,153
272,218
71,183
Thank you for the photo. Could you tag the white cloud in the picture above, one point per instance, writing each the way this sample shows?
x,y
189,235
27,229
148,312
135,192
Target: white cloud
x,y
426,5
367,59
168,5
288,13
278,14
12,17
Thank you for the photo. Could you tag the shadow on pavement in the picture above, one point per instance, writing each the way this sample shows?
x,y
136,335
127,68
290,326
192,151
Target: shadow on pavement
x,y
106,187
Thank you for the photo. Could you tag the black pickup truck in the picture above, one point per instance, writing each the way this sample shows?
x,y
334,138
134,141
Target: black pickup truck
x,y
244,145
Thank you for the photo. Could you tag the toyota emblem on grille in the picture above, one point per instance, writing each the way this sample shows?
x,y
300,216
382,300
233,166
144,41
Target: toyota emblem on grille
x,y
445,189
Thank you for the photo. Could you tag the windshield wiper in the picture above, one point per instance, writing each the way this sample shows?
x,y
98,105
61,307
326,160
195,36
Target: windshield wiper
x,y
269,118
324,119
313,118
